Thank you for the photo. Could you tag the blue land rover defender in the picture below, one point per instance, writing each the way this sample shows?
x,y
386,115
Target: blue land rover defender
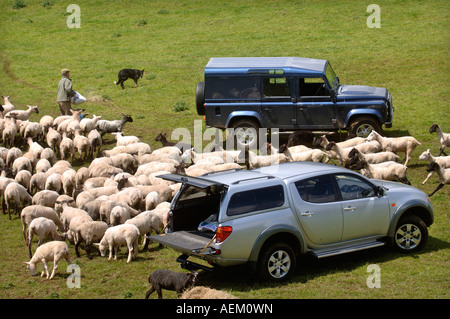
x,y
287,93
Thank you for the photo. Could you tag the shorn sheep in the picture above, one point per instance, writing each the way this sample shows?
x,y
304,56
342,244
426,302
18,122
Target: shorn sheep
x,y
444,138
444,175
405,144
90,233
42,227
443,161
170,280
120,235
390,171
51,251
105,126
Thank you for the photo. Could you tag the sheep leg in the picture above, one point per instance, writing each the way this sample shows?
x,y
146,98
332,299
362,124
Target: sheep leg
x,y
441,151
55,266
77,245
428,177
130,251
45,270
437,188
30,239
151,290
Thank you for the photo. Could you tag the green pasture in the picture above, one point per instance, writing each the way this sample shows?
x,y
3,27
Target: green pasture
x,y
173,41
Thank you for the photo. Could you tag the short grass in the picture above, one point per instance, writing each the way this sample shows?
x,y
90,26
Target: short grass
x,y
173,41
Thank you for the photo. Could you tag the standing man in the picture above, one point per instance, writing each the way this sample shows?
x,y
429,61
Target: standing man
x,y
65,92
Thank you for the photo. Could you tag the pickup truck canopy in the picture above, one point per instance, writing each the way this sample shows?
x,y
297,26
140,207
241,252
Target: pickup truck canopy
x,y
194,181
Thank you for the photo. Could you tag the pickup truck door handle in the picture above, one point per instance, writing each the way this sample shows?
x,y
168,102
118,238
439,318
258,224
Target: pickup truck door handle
x,y
349,209
308,213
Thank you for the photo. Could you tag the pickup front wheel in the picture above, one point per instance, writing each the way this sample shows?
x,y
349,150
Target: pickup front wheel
x,y
277,262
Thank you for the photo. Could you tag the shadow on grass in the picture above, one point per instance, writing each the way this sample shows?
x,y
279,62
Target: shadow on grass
x,y
240,278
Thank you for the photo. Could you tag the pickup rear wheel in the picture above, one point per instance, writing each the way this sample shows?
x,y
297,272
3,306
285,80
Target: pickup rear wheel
x,y
277,262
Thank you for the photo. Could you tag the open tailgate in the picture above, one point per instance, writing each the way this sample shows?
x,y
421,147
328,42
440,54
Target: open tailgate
x,y
189,243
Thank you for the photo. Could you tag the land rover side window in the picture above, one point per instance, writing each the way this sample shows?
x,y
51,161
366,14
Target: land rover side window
x,y
231,88
318,189
257,199
311,87
352,187
276,88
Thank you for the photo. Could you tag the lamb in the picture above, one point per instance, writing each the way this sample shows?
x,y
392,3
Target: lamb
x,y
42,166
443,161
312,155
81,176
89,232
12,155
125,140
103,170
66,148
37,182
170,280
93,207
7,107
34,211
53,250
135,148
54,183
444,175
49,155
43,227
53,139
69,213
9,132
68,181
32,130
82,145
373,158
60,200
162,211
23,115
76,222
96,141
255,161
107,207
119,215
17,194
105,126
45,123
145,223
23,178
132,196
390,171
119,235
45,198
152,200
405,144
444,138
87,125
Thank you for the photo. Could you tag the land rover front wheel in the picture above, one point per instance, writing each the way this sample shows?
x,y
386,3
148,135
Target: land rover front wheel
x,y
277,262
245,133
362,126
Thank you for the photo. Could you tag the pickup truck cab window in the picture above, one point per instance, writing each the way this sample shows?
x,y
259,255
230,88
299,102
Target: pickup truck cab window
x,y
317,189
352,187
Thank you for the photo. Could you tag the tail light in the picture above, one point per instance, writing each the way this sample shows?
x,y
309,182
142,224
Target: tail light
x,y
222,233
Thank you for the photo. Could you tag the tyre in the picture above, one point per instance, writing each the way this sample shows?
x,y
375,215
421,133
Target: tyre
x,y
362,126
245,134
200,98
411,234
277,262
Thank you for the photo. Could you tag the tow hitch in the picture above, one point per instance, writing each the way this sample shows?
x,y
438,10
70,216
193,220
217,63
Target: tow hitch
x,y
189,265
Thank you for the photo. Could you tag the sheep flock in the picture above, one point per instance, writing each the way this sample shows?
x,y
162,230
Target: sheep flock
x,y
117,198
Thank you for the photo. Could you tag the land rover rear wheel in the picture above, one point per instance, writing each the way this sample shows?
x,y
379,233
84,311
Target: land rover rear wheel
x,y
245,134
277,262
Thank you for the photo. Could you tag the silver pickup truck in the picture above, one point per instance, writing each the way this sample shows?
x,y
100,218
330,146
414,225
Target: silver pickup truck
x,y
268,216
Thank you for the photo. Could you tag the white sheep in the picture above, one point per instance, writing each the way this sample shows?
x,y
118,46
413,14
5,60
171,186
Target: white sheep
x,y
7,107
444,138
13,153
60,200
53,182
82,145
311,155
51,251
34,211
119,235
43,165
76,222
67,148
125,140
23,178
390,171
152,200
105,126
37,182
49,155
133,149
87,124
96,141
23,115
444,175
89,232
442,161
53,138
68,181
9,132
69,213
45,198
405,144
374,158
46,122
145,222
252,160
43,228
119,215
162,211
32,130
17,194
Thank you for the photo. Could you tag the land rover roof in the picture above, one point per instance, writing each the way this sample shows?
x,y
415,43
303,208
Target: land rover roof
x,y
249,65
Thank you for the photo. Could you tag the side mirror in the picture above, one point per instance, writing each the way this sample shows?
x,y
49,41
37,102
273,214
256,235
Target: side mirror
x,y
380,191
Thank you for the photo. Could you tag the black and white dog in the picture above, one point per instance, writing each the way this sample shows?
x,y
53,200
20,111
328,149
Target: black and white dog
x,y
126,74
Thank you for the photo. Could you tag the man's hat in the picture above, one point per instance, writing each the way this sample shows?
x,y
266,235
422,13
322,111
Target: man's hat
x,y
64,71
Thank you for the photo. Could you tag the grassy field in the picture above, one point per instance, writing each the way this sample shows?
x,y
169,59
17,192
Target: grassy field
x,y
173,41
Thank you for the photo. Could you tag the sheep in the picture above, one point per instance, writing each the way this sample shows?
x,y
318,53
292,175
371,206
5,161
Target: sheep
x,y
46,122
37,182
255,161
405,144
54,139
53,250
105,126
45,198
152,200
17,194
125,161
9,132
312,155
119,215
32,130
132,196
135,148
390,171
68,181
93,207
87,125
60,200
443,161
49,155
42,166
76,222
13,154
82,145
7,107
444,138
125,140
81,176
162,211
119,235
69,213
374,158
23,115
444,175
170,280
89,232
74,119
34,211
53,182
23,178
96,141
43,227
146,222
